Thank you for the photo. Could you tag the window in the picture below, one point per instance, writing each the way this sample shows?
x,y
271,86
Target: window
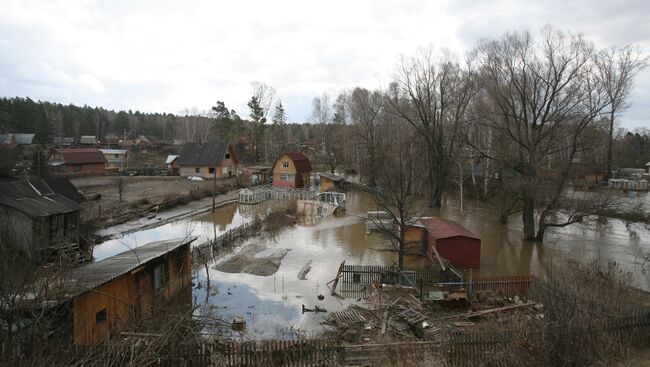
x,y
227,155
197,170
77,168
117,156
100,316
285,164
211,169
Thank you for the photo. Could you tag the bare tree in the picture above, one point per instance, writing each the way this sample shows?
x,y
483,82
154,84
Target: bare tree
x,y
322,116
365,110
540,95
616,69
432,97
400,180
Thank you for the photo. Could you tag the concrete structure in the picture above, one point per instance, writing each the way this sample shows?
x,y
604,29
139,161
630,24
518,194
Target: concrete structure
x,y
77,161
108,295
329,181
207,160
40,216
116,159
292,170
453,242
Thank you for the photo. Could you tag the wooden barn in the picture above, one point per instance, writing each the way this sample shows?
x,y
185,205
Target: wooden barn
x,y
330,182
292,170
108,295
453,242
77,161
207,160
41,217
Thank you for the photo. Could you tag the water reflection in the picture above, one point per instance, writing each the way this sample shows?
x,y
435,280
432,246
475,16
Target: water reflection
x,y
272,305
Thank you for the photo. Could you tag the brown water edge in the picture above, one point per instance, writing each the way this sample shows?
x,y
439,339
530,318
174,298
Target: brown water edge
x,y
272,304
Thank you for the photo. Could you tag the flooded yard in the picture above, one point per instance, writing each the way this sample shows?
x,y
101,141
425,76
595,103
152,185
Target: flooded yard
x,y
272,304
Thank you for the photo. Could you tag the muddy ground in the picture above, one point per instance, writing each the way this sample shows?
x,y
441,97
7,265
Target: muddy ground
x,y
139,194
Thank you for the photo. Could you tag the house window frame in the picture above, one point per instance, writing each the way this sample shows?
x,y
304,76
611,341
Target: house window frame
x,y
197,169
285,164
227,155
211,170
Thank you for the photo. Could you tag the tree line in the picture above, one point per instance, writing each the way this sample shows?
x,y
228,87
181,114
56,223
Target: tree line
x,y
520,110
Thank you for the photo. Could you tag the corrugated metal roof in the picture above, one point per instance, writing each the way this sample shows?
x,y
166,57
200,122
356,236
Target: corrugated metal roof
x,y
81,155
206,154
88,139
36,198
443,228
113,151
87,277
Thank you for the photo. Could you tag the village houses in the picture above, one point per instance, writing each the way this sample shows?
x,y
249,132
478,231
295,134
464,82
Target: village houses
x,y
77,161
292,170
115,159
207,160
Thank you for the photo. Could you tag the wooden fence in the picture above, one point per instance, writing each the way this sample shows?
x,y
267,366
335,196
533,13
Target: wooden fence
x,y
224,239
298,353
355,278
508,285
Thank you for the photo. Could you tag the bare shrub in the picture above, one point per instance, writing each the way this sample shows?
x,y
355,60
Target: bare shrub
x,y
575,328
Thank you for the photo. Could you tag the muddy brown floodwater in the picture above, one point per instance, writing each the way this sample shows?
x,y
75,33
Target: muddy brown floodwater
x,y
272,304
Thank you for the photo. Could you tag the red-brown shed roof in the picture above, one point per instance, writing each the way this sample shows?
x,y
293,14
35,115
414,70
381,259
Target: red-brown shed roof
x,y
300,161
81,155
443,228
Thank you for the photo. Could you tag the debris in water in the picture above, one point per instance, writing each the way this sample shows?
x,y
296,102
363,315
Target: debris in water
x,y
321,297
302,274
239,323
254,259
315,309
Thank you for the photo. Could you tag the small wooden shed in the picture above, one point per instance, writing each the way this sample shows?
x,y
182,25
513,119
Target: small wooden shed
x,y
329,181
109,294
453,242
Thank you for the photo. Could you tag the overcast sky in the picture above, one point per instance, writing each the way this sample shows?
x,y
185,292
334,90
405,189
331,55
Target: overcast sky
x,y
164,56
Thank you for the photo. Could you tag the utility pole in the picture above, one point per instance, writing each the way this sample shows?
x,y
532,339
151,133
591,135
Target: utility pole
x,y
214,186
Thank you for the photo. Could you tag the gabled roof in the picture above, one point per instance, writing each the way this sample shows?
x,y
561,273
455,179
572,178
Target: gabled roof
x,y
647,164
24,139
113,151
81,155
171,158
88,277
21,139
300,161
7,139
442,228
39,198
62,140
206,154
88,139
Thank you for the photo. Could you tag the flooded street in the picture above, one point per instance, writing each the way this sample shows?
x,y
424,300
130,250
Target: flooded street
x,y
272,304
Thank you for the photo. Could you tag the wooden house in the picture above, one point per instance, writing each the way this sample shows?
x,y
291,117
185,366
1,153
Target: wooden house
x,y
207,160
292,170
115,159
329,182
453,242
42,216
77,161
107,296
63,142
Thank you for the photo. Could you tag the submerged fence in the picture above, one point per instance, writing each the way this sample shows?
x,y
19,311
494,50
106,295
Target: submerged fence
x,y
259,195
226,238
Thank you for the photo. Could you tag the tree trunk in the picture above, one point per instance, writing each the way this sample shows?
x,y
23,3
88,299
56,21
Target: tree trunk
x,y
528,216
608,161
